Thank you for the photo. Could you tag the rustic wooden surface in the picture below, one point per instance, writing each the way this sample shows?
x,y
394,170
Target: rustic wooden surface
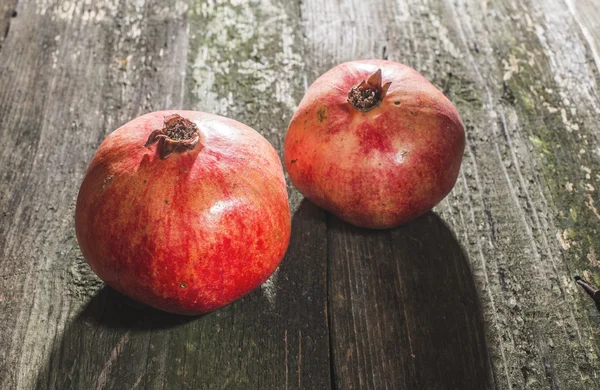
x,y
477,294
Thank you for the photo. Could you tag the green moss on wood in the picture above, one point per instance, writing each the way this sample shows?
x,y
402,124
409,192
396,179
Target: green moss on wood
x,y
571,175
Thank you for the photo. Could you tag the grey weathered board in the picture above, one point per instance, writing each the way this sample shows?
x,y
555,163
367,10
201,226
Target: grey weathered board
x,y
477,294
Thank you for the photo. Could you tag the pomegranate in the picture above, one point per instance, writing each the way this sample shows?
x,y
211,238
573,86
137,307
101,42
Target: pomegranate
x,y
184,211
375,143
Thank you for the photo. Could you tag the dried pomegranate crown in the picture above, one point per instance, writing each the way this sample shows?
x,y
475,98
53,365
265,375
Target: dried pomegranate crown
x,y
177,135
368,94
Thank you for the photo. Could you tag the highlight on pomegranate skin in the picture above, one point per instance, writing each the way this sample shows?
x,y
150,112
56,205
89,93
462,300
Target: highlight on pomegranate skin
x,y
375,143
184,211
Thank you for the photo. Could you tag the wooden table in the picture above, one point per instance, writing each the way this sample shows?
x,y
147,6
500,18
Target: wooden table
x,y
477,294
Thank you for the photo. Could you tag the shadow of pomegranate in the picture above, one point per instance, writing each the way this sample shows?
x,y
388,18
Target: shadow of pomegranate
x,y
396,308
113,310
118,343
110,325
403,308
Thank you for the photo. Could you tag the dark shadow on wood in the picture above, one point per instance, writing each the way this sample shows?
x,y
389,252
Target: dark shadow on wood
x,y
260,341
110,325
308,212
111,309
404,309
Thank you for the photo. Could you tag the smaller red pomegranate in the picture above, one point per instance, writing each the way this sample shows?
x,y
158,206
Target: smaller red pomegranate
x,y
375,143
184,211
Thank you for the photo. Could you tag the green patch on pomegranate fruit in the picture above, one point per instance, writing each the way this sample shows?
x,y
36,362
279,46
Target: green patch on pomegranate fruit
x,y
388,150
184,211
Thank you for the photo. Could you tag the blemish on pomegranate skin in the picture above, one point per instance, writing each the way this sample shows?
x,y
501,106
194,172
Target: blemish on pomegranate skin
x,y
293,161
106,181
322,114
397,102
399,157
183,285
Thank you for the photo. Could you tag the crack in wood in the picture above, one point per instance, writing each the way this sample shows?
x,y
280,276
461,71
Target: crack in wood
x,y
329,315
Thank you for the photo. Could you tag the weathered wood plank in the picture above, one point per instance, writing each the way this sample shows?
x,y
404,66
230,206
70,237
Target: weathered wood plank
x,y
538,94
117,343
443,314
7,12
584,13
404,311
382,323
245,62
392,327
91,67
518,86
405,306
71,72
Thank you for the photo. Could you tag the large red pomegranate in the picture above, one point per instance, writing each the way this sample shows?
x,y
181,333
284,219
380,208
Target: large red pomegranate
x,y
375,143
184,211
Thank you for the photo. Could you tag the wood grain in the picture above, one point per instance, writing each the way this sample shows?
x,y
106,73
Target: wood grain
x,y
524,96
71,72
244,62
405,312
7,12
477,294
96,66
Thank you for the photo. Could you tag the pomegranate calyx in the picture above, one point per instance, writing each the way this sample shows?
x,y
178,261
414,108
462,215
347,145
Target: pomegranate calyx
x,y
177,135
368,94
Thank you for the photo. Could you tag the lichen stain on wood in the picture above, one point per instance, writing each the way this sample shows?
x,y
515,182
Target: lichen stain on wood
x,y
246,62
541,199
566,148
540,202
235,58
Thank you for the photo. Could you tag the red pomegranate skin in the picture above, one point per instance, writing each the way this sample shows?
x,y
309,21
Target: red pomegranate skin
x,y
190,233
380,168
